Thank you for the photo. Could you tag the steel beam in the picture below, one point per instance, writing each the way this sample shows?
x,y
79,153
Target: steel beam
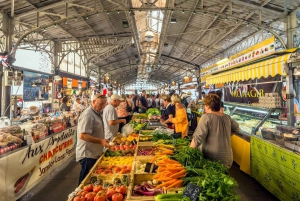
x,y
44,8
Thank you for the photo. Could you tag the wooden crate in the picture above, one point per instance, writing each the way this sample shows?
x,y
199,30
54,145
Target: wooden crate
x,y
136,180
143,160
145,144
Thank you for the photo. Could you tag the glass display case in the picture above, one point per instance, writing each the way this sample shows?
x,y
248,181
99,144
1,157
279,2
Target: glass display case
x,y
252,118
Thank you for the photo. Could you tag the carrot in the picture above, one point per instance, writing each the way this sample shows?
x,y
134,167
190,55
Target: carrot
x,y
178,173
178,176
164,179
166,183
179,182
176,169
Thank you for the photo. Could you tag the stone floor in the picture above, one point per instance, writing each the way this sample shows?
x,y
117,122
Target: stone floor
x,y
63,180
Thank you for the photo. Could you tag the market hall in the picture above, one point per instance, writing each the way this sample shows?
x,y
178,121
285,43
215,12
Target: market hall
x,y
138,97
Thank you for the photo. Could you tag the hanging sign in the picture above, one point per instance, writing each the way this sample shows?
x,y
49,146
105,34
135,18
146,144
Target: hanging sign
x,y
263,49
249,91
69,83
23,169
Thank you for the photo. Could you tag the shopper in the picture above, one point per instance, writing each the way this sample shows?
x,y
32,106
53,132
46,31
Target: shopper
x,y
169,111
109,94
212,135
122,112
90,139
78,104
135,99
143,103
131,103
180,120
64,107
220,94
110,117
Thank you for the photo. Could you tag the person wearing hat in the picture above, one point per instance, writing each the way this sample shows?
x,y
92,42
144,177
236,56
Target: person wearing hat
x,y
90,138
110,117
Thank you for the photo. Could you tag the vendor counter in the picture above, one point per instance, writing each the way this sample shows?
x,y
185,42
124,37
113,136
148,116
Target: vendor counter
x,y
276,168
25,167
240,145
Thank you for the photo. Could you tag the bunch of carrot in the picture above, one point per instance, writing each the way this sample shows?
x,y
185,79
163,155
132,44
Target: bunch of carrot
x,y
169,172
163,151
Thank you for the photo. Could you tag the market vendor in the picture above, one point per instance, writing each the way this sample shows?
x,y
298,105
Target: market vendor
x,y
213,133
90,139
110,117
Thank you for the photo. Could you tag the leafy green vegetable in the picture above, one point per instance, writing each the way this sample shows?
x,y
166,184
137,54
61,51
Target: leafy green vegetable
x,y
160,136
153,111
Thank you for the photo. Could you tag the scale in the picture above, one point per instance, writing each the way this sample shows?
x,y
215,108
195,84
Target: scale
x,y
155,124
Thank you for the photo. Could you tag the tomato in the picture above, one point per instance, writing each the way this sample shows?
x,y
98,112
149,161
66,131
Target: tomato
x,y
123,171
88,188
121,147
129,168
117,147
82,193
100,196
79,198
126,147
121,189
110,191
117,169
90,196
134,146
97,188
117,197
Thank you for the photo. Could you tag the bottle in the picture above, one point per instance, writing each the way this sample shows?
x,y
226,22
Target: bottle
x,y
24,138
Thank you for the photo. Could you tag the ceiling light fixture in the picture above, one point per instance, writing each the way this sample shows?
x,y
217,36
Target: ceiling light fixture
x,y
226,18
125,24
97,13
182,11
204,13
87,18
248,24
75,19
66,22
216,15
194,12
118,11
236,21
107,13
55,25
173,21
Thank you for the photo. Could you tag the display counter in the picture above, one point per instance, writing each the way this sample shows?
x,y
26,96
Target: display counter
x,y
276,168
25,167
251,119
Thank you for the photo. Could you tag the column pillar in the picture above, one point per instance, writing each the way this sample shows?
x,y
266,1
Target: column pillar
x,y
7,28
289,78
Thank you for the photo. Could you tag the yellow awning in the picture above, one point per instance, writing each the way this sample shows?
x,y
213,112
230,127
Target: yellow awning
x,y
270,67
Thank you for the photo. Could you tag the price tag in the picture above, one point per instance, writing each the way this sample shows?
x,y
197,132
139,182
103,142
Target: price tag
x,y
150,167
134,142
192,191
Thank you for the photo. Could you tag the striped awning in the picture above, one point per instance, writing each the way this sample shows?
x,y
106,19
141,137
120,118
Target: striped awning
x,y
270,67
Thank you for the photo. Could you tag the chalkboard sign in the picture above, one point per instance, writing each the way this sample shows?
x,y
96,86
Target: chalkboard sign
x,y
134,142
150,167
192,191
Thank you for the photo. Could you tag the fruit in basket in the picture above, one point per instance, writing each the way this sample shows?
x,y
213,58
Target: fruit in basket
x,y
121,189
90,196
97,188
88,188
117,197
82,193
79,198
100,196
110,192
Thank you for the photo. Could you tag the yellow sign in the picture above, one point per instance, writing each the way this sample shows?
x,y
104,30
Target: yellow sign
x,y
253,53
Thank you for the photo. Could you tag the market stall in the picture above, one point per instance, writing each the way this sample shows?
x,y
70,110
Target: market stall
x,y
161,168
26,166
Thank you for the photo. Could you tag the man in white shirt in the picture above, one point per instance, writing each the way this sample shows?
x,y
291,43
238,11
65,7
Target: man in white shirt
x,y
110,117
109,94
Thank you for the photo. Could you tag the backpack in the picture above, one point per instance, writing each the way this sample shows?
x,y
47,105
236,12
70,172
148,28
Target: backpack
x,y
184,102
